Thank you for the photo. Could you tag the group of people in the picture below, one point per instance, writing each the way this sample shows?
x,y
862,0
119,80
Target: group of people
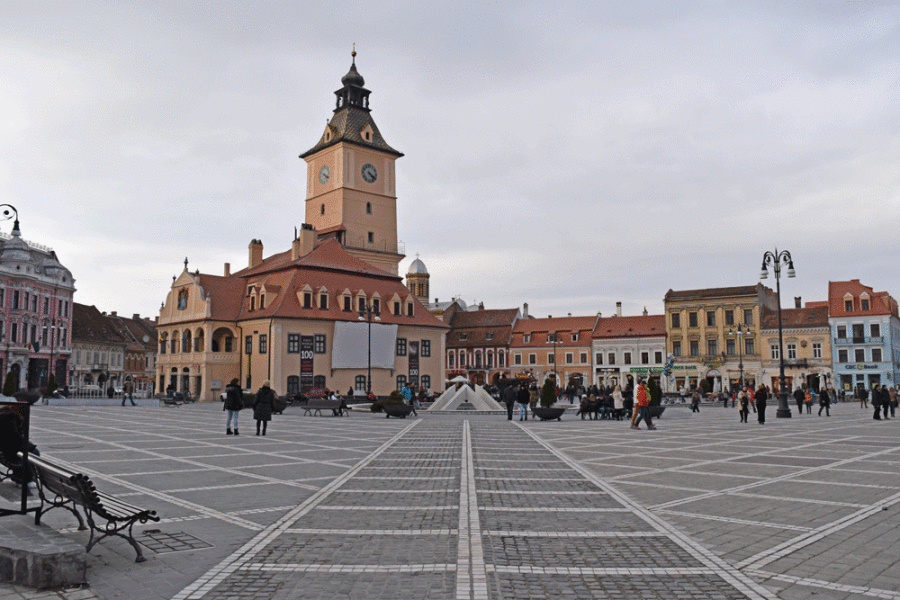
x,y
524,395
263,406
884,399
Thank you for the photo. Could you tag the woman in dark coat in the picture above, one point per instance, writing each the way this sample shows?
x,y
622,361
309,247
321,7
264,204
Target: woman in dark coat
x,y
234,402
262,407
761,396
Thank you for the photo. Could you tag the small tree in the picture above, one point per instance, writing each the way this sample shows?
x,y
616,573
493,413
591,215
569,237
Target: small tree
x,y
548,392
9,386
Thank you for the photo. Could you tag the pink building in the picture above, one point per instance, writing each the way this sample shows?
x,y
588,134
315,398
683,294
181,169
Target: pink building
x,y
35,313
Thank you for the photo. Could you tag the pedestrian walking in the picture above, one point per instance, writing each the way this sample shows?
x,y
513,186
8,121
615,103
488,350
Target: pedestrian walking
x,y
263,405
761,396
643,401
523,397
743,406
234,402
695,401
800,397
824,402
885,398
809,401
863,394
509,398
128,393
618,402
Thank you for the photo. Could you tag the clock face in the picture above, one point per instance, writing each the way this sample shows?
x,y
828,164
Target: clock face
x,y
369,173
324,174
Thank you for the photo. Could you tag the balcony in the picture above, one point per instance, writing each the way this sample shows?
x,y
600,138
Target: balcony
x,y
859,340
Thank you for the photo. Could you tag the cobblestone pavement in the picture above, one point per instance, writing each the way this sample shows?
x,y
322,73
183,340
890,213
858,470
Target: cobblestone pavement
x,y
477,507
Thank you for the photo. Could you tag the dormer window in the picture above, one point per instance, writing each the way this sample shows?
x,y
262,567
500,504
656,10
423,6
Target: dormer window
x,y
376,306
848,305
362,305
865,303
252,303
574,337
262,301
323,301
347,303
527,338
409,309
307,300
489,335
463,337
396,309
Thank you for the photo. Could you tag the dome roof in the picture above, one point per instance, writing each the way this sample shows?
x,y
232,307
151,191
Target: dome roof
x,y
417,267
15,249
353,77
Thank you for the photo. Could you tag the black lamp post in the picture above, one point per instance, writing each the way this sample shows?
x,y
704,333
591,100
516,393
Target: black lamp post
x,y
776,261
554,340
366,313
739,334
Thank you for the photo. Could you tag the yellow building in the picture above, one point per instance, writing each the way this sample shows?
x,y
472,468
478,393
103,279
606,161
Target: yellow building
x,y
328,311
807,347
702,331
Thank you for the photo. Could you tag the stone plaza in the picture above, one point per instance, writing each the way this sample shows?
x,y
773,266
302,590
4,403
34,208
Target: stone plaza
x,y
465,506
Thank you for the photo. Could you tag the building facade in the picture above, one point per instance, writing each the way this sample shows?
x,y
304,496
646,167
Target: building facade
x,y
478,344
553,346
330,312
702,334
807,347
865,344
98,348
626,349
35,313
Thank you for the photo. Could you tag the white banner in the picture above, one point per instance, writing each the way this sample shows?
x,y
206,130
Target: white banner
x,y
350,347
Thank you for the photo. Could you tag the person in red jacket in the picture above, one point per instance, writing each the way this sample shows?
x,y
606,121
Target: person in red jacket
x,y
643,400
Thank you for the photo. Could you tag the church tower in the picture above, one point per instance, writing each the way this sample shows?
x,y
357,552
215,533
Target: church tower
x,y
417,280
350,181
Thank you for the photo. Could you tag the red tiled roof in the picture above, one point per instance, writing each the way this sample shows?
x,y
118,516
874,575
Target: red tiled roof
x,y
816,316
745,290
880,303
328,267
89,325
481,328
539,329
625,327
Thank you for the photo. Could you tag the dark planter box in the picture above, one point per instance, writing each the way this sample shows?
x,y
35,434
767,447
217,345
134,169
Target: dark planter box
x,y
397,410
548,413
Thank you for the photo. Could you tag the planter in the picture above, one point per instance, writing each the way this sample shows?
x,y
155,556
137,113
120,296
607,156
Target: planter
x,y
548,413
656,411
397,410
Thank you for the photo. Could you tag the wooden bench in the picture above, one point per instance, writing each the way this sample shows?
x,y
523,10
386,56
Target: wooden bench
x,y
60,486
317,405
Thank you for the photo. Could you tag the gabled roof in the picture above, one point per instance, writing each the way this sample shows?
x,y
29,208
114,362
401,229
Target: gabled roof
x,y
328,266
630,327
564,327
482,328
815,316
346,126
91,326
134,330
880,303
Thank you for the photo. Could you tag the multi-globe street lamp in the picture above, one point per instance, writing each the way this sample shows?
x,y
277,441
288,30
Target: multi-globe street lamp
x,y
776,260
366,313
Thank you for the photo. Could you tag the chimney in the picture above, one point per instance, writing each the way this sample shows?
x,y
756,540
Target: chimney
x,y
112,314
618,309
481,306
136,317
525,310
797,303
256,250
227,269
645,311
570,314
304,243
436,300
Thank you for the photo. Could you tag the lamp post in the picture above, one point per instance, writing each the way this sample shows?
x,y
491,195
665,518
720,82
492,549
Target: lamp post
x,y
777,260
554,340
739,334
366,313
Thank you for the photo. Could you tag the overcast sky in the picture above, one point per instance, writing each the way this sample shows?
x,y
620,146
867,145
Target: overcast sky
x,y
564,154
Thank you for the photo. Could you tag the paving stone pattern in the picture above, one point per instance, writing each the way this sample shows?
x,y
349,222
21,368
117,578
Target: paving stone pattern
x,y
476,507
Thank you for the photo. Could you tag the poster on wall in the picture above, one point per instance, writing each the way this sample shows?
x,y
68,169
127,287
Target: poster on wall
x,y
306,362
414,363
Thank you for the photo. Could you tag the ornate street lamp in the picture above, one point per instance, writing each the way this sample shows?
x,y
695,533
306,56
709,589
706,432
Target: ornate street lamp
x,y
776,261
739,334
366,313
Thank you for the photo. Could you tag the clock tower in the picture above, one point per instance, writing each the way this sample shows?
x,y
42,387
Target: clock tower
x,y
351,181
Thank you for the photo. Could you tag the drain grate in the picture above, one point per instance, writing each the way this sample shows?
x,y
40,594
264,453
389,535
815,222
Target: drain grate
x,y
161,542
